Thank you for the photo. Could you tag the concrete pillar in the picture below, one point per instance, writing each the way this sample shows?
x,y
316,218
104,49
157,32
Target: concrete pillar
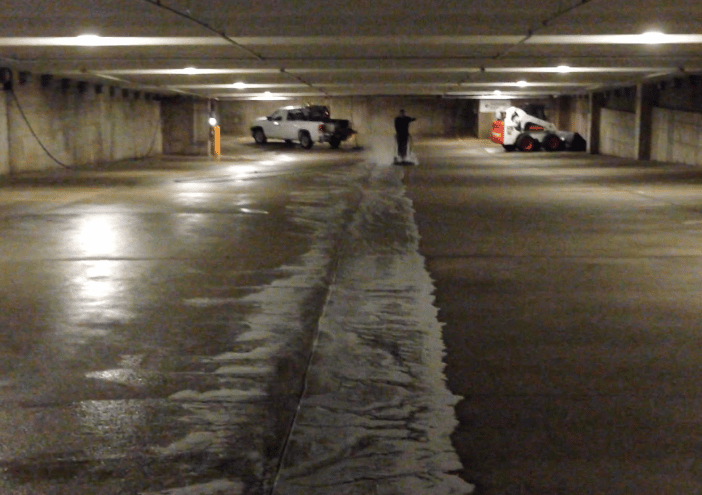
x,y
562,113
185,126
593,128
645,93
485,120
5,133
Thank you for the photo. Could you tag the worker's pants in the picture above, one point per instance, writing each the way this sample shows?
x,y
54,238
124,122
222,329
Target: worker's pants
x,y
402,145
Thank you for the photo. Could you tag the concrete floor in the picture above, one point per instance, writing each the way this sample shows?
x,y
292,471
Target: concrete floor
x,y
266,324
260,324
570,290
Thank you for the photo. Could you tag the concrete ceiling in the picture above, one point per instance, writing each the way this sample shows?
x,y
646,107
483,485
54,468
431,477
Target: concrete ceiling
x,y
313,48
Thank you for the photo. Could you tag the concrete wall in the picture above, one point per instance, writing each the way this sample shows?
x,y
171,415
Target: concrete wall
x,y
681,93
4,148
435,116
369,115
677,136
185,126
579,115
80,124
617,133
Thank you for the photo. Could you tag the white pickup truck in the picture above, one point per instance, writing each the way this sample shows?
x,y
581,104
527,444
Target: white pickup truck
x,y
308,125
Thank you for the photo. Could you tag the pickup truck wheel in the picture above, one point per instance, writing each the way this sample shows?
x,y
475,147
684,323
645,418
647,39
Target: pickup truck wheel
x,y
305,140
259,136
334,142
552,142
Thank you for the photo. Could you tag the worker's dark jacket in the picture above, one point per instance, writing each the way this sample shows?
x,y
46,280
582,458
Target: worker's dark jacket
x,y
402,125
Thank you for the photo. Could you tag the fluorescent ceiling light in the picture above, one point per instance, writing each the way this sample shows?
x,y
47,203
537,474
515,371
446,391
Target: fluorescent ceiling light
x,y
111,41
180,71
491,85
563,69
653,37
88,40
581,69
269,97
239,85
547,39
613,39
190,70
497,92
490,97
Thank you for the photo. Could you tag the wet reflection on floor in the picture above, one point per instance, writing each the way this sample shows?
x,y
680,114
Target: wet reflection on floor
x,y
156,336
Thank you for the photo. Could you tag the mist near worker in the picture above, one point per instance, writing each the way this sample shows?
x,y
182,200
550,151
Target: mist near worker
x,y
381,145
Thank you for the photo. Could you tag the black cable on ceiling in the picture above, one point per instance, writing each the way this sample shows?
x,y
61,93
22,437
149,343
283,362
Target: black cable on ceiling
x,y
544,24
222,34
301,80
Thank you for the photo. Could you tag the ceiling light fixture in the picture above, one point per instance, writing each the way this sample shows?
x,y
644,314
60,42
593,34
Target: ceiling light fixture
x,y
522,84
239,85
497,92
268,96
88,40
563,69
190,70
653,37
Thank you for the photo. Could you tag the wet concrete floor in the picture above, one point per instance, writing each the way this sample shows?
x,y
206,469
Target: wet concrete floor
x,y
570,289
261,324
274,323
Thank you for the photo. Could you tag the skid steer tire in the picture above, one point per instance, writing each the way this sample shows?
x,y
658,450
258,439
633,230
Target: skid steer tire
x,y
551,142
525,142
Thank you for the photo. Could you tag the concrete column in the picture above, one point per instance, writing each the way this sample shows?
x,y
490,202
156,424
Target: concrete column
x,y
593,128
485,120
5,133
645,93
563,111
185,126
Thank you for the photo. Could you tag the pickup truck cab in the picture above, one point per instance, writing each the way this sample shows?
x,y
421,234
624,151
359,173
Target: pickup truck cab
x,y
307,125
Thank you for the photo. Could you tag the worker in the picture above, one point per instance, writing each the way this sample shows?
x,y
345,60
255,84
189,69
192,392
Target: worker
x,y
402,123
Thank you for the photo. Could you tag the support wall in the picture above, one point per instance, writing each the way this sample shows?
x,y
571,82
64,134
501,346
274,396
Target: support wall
x,y
370,116
78,123
185,127
4,136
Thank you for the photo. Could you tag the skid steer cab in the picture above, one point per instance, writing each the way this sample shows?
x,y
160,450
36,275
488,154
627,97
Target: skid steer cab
x,y
515,129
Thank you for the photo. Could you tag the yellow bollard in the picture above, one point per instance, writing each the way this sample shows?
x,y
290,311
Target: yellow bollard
x,y
217,150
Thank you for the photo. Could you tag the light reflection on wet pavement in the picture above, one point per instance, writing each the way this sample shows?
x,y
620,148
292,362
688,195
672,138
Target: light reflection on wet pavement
x,y
157,328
